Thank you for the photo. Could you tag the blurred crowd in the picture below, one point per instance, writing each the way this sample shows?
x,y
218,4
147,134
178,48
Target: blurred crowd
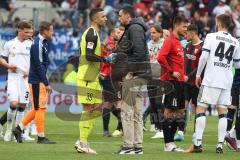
x,y
200,12
74,13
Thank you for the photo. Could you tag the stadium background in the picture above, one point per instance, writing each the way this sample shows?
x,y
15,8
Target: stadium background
x,y
69,17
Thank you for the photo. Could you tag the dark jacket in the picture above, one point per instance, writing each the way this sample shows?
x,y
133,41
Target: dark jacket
x,y
137,52
38,62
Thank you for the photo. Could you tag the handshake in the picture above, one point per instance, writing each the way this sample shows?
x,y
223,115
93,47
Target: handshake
x,y
110,58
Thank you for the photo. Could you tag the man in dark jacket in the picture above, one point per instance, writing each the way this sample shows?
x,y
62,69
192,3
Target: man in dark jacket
x,y
133,44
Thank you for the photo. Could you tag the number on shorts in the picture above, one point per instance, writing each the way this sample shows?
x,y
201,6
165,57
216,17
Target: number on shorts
x,y
27,94
89,96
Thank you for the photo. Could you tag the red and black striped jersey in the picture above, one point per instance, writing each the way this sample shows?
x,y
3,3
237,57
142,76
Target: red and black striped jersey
x,y
191,59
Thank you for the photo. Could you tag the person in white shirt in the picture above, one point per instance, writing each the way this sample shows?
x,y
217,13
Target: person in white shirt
x,y
219,54
17,51
155,110
221,8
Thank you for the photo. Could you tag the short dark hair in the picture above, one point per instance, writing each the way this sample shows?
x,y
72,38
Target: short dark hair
x,y
225,20
24,24
93,12
44,26
158,28
129,10
110,30
179,19
193,27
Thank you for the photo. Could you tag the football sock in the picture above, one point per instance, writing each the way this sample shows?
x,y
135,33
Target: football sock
x,y
19,115
3,119
181,124
117,113
200,126
167,130
222,127
230,117
106,118
87,121
10,117
40,118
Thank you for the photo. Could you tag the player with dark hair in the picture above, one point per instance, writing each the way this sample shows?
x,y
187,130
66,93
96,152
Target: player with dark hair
x,y
193,52
89,88
171,58
219,54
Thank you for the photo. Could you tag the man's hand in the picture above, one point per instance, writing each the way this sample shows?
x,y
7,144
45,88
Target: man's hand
x,y
176,75
198,81
186,78
49,89
12,67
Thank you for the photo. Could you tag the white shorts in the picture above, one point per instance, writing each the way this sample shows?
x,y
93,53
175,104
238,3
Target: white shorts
x,y
18,89
215,96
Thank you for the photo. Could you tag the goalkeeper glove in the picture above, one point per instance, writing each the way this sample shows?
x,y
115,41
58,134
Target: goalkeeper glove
x,y
111,58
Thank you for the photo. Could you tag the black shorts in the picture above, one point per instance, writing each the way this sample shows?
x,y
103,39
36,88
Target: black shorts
x,y
235,96
156,103
175,100
191,93
109,91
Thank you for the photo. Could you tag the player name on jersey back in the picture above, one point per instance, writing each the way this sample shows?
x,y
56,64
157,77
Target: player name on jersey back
x,y
222,48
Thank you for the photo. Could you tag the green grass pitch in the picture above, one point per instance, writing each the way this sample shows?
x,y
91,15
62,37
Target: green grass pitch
x,y
66,133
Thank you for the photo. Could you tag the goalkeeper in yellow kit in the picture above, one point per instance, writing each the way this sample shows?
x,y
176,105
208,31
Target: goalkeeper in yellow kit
x,y
89,88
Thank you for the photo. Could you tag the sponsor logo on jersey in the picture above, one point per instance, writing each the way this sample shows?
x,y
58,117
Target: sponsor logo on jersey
x,y
90,45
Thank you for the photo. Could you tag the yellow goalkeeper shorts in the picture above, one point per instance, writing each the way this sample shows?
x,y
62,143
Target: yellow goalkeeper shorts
x,y
89,92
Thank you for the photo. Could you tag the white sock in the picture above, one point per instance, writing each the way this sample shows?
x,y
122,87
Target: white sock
x,y
222,129
19,117
238,144
200,126
21,126
10,118
232,133
41,134
27,129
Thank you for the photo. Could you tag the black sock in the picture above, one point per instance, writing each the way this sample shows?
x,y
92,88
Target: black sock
x,y
174,129
160,119
167,130
145,115
119,126
106,118
152,118
3,119
117,113
230,117
181,124
237,124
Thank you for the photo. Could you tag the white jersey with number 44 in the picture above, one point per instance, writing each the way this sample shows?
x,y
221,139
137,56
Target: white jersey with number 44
x,y
223,50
